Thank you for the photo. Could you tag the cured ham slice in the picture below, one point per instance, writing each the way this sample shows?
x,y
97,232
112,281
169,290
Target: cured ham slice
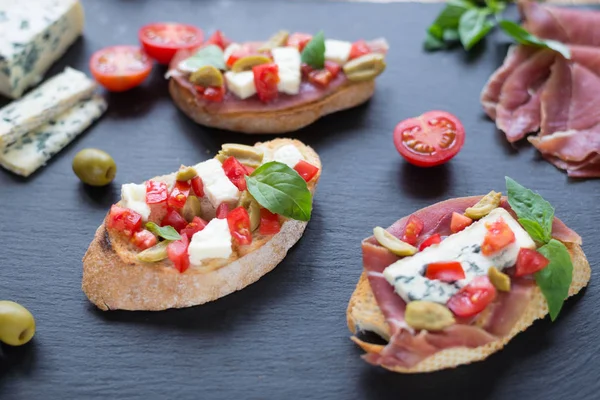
x,y
589,168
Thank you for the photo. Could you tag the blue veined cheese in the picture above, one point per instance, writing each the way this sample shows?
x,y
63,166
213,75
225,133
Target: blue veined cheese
x,y
407,274
214,241
34,34
52,98
33,150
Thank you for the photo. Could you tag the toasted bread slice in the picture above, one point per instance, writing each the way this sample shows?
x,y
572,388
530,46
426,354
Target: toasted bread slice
x,y
363,314
114,279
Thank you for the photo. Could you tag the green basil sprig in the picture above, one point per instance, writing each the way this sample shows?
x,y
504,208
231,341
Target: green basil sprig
x,y
209,55
314,51
280,189
521,36
165,232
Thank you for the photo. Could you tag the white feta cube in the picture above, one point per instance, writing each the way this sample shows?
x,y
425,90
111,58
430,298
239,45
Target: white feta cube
x,y
217,186
241,83
286,58
289,81
133,196
288,154
230,49
337,50
214,241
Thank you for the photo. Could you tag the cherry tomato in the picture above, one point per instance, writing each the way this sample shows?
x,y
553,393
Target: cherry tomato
x,y
298,40
359,48
333,68
450,271
174,219
473,298
215,94
413,229
156,192
530,261
179,194
269,222
431,240
236,172
320,77
120,68
219,39
196,225
198,186
306,170
266,78
124,220
459,222
162,40
222,210
498,236
429,139
239,225
144,239
177,252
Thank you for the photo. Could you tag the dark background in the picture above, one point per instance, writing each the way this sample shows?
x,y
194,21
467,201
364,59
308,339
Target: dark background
x,y
286,335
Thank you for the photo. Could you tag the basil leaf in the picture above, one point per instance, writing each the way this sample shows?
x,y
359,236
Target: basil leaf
x,y
280,189
449,18
314,51
451,35
555,280
534,230
530,206
209,55
165,232
433,43
473,26
495,6
521,35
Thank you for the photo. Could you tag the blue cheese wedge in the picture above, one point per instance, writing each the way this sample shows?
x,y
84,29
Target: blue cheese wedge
x,y
33,150
34,35
46,102
407,274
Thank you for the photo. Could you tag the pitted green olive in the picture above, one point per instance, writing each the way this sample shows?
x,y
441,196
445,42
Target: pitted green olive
x,y
365,68
192,208
94,167
277,40
155,253
207,76
251,205
500,280
484,206
427,315
17,325
185,174
392,243
249,156
246,63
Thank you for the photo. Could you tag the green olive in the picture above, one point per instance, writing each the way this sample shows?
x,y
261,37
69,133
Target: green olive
x,y
250,204
392,243
94,167
17,325
500,280
249,156
427,315
185,174
365,68
246,63
484,206
277,40
155,253
192,208
207,76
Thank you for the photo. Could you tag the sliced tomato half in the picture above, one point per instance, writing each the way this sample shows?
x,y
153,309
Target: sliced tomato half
x,y
120,68
162,40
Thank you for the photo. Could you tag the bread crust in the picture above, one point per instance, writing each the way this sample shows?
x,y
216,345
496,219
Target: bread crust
x,y
272,122
113,279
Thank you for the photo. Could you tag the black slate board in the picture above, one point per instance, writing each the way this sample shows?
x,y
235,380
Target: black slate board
x,y
286,335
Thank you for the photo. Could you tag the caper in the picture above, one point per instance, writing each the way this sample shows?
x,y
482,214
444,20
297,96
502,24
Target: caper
x,y
155,253
17,325
365,68
250,204
484,206
192,208
277,40
207,75
500,280
249,156
427,315
246,63
186,173
392,243
94,167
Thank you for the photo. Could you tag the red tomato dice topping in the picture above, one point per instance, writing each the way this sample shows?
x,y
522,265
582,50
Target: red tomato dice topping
x,y
306,170
177,252
459,222
320,77
198,186
144,239
215,94
239,225
358,49
298,40
430,139
179,194
269,222
498,236
196,225
219,39
124,220
431,240
450,271
174,219
120,68
222,210
333,68
413,229
529,262
473,298
162,40
156,192
266,78
236,172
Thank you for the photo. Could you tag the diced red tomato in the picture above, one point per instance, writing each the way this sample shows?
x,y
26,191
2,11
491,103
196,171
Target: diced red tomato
x,y
498,236
196,225
120,68
179,194
222,210
306,70
162,40
473,298
269,222
174,219
239,225
219,39
249,170
266,78
124,220
156,192
413,229
306,170
431,240
198,186
359,48
333,68
320,77
177,252
236,172
299,40
236,55
445,271
144,239
529,262
212,93
459,222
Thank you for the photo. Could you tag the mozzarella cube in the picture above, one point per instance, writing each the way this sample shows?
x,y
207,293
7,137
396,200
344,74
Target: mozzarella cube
x,y
288,154
286,58
241,83
337,50
289,81
214,241
217,186
133,196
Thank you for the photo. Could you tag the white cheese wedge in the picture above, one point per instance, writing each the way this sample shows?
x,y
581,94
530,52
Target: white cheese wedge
x,y
133,196
337,50
32,151
34,35
52,98
217,186
288,62
241,83
288,154
214,241
406,275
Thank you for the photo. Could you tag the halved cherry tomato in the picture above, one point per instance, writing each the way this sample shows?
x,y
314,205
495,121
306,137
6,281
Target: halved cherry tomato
x,y
236,172
239,225
450,271
429,139
219,39
156,192
269,222
177,252
196,225
498,236
431,240
198,186
124,220
320,77
222,210
529,262
144,239
120,68
266,78
473,298
174,219
179,194
413,229
359,48
459,222
162,40
212,93
306,170
298,40
333,68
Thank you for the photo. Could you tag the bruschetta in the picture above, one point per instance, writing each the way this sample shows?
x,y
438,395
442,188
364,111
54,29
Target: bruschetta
x,y
203,232
276,86
453,283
